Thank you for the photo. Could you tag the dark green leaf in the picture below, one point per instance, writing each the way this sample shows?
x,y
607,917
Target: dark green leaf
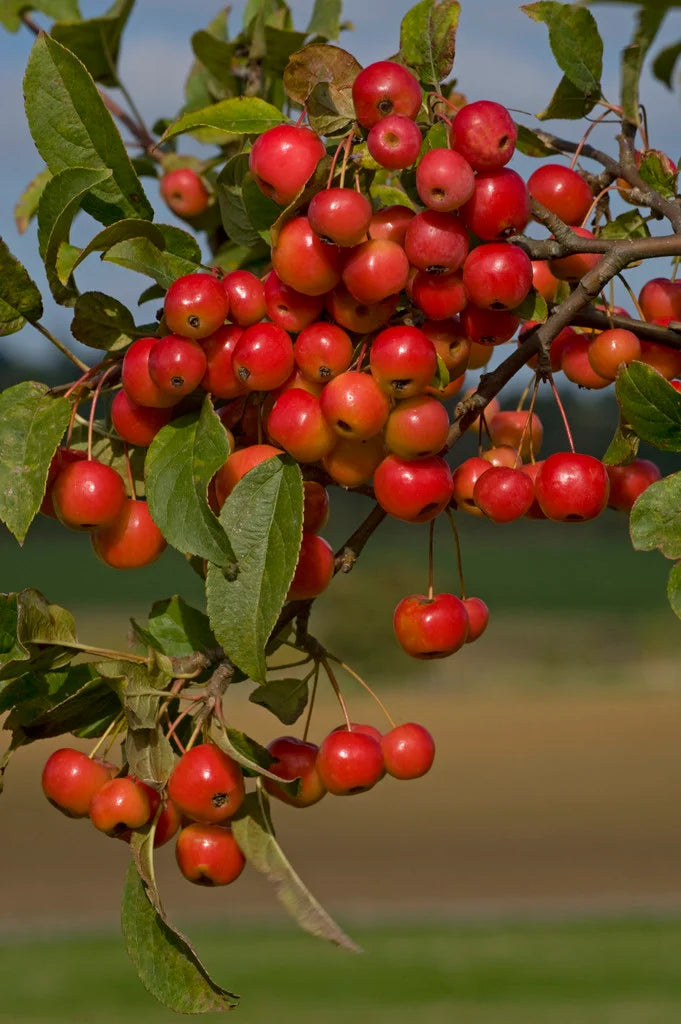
x,y
428,39
261,211
656,173
279,45
167,965
90,710
149,755
139,690
254,833
285,698
674,589
319,63
132,227
36,692
263,520
27,204
96,41
235,217
623,448
628,225
647,25
331,110
650,405
14,655
665,62
253,758
154,291
177,629
11,10
200,85
20,299
181,461
32,423
575,43
531,144
234,116
533,307
71,127
216,55
568,103
325,19
102,322
656,518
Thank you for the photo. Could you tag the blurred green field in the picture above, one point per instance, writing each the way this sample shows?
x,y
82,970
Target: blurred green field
x,y
591,972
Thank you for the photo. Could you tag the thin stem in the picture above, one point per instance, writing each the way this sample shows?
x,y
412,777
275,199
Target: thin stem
x,y
96,428
528,425
93,407
310,706
112,731
341,145
596,201
103,652
336,689
366,686
60,345
459,559
585,136
346,154
128,470
621,278
563,415
431,535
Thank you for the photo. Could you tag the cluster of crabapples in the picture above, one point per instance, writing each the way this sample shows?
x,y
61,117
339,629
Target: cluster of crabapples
x,y
206,789
344,353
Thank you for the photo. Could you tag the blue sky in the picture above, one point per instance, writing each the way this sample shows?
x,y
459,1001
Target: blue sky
x,y
501,54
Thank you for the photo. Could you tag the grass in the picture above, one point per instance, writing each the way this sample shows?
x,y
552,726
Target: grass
x,y
592,971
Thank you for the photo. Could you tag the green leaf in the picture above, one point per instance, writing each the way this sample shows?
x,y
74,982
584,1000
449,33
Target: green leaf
x,y
238,115
389,195
112,452
34,635
285,698
102,322
71,127
235,218
656,518
279,45
263,519
623,448
11,10
142,256
36,692
247,751
568,103
650,405
181,461
531,144
575,43
177,629
674,589
149,755
331,110
216,56
62,197
428,39
139,690
88,711
533,307
665,62
628,225
254,833
96,41
165,962
132,227
654,172
319,63
20,299
32,423
648,23
27,204
325,19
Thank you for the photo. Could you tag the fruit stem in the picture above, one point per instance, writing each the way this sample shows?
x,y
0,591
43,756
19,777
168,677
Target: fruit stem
x,y
110,734
336,688
93,408
528,425
58,344
586,135
563,414
431,538
310,706
459,559
128,471
627,286
366,686
595,202
346,155
343,144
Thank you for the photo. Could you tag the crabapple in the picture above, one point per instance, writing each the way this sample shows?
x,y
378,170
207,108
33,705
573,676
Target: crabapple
x,y
385,88
349,762
195,305
283,158
208,854
415,491
430,627
132,540
408,751
184,192
70,779
206,784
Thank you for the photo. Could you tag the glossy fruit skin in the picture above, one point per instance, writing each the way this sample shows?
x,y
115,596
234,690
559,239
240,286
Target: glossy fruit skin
x,y
136,424
295,759
573,268
408,751
340,215
451,344
296,423
415,491
70,779
439,296
628,482
488,326
288,308
61,458
184,192
497,276
322,351
417,428
176,365
195,305
314,570
503,494
354,405
316,506
237,465
544,281
208,854
666,361
132,540
385,88
610,349
509,426
576,365
485,134
501,455
263,357
532,469
394,142
283,158
390,223
660,297
402,360
119,805
246,297
478,617
87,494
444,180
363,318
499,206
136,380
349,762
303,261
220,379
206,784
352,462
572,487
375,270
429,628
464,479
562,191
436,242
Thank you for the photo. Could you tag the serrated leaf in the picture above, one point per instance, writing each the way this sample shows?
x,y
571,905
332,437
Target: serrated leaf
x,y
325,19
567,103
648,23
654,172
32,423
142,256
181,461
71,127
238,115
253,831
27,204
428,39
319,63
330,110
177,629
285,698
533,307
36,692
123,230
102,322
656,518
529,143
650,405
165,962
96,41
623,448
628,225
11,10
149,755
89,712
575,43
674,589
263,520
20,299
139,690
665,62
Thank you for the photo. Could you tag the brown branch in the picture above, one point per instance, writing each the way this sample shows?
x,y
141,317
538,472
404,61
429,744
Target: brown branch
x,y
348,553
